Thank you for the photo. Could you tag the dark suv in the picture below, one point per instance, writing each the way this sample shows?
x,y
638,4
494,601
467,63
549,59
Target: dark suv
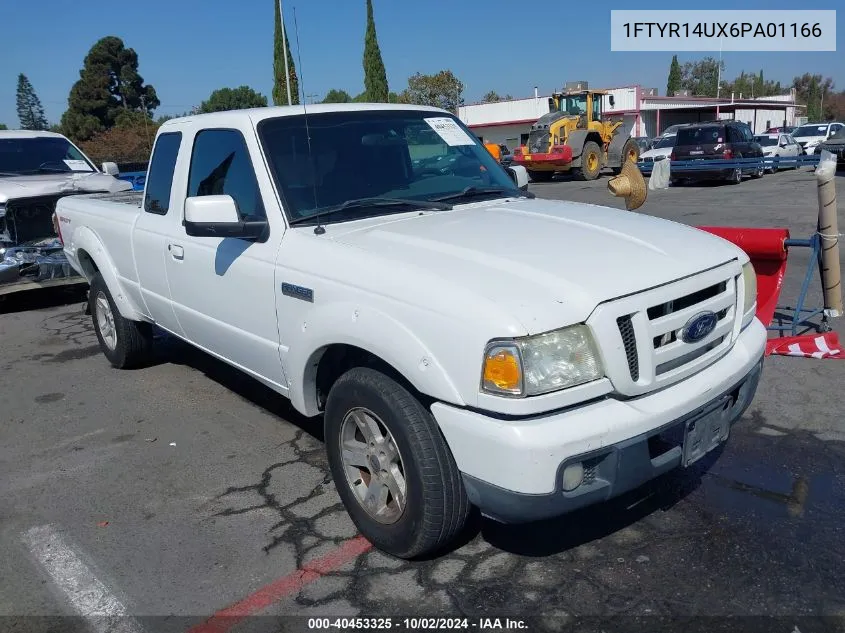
x,y
717,140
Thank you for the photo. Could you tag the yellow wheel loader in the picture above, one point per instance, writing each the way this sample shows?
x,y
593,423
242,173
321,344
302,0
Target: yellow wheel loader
x,y
575,137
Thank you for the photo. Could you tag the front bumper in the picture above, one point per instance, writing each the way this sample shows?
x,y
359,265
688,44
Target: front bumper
x,y
513,469
546,162
37,264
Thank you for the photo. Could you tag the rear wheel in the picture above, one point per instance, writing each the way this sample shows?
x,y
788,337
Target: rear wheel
x,y
630,152
590,162
540,176
736,176
758,173
126,344
391,466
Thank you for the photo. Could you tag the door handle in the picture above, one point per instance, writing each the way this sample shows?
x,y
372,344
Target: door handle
x,y
176,251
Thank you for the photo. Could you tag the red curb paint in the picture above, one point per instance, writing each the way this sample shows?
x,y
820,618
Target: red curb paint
x,y
225,619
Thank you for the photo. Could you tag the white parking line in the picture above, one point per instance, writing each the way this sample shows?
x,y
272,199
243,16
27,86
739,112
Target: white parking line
x,y
86,593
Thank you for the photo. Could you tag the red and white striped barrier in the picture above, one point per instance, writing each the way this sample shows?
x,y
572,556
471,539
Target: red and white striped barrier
x,y
808,345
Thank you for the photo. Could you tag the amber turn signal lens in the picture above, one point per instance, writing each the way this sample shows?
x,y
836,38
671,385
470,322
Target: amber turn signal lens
x,y
502,371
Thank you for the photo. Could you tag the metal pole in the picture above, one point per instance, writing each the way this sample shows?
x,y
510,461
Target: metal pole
x,y
285,51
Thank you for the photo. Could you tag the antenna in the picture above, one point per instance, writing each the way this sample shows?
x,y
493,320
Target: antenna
x,y
319,229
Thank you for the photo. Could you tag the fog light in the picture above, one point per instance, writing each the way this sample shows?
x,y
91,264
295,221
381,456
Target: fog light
x,y
573,475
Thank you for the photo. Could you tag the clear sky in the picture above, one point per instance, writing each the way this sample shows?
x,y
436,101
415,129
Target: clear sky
x,y
187,48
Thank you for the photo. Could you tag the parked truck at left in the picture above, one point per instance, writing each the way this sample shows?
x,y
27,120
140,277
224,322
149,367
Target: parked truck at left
x,y
36,169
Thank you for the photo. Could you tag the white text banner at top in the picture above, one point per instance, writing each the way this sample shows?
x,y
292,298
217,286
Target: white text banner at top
x,y
711,30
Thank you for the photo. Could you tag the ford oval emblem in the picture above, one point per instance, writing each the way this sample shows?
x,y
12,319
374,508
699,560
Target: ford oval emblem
x,y
699,326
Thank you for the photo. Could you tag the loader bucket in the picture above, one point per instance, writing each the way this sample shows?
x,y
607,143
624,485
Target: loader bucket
x,y
768,252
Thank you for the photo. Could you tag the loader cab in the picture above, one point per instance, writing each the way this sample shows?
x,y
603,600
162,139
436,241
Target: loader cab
x,y
585,104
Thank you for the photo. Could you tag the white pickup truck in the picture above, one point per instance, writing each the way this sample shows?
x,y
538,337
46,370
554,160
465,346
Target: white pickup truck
x,y
465,342
36,169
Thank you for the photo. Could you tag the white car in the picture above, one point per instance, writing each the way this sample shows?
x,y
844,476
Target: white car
x,y
36,169
661,150
776,146
811,135
460,339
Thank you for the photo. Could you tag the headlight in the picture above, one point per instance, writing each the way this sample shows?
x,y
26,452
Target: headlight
x,y
542,363
749,280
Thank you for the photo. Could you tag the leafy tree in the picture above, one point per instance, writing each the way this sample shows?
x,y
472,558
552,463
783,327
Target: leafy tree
x,y
3,126
673,84
30,111
108,84
280,89
834,107
375,77
442,90
701,78
753,85
491,97
239,98
813,91
128,143
337,96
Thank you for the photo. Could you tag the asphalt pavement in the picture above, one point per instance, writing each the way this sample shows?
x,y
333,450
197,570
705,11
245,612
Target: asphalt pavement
x,y
186,496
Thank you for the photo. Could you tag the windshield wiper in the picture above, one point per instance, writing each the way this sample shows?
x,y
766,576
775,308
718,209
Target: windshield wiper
x,y
472,191
373,202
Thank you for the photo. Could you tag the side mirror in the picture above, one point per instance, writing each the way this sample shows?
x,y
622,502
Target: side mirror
x,y
217,216
519,175
110,169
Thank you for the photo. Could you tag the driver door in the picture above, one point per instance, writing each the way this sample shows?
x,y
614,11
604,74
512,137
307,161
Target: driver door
x,y
223,289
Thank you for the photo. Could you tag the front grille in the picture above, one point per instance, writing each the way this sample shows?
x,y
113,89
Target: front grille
x,y
651,351
29,219
629,340
538,141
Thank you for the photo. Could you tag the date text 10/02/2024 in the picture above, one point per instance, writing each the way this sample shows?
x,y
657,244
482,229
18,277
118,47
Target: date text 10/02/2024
x,y
412,624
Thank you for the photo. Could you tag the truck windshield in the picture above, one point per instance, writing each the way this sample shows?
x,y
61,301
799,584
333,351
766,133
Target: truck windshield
x,y
409,154
40,155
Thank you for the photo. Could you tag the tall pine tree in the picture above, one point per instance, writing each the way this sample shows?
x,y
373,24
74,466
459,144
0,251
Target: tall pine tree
x,y
674,82
109,87
30,111
280,89
375,77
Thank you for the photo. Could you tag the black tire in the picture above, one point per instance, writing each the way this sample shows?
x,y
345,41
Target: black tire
x,y
133,340
758,173
736,176
630,151
436,506
590,155
541,176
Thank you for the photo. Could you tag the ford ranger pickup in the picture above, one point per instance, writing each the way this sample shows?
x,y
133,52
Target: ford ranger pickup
x,y
466,343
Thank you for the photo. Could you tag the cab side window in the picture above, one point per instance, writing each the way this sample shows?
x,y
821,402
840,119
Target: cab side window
x,y
220,165
160,176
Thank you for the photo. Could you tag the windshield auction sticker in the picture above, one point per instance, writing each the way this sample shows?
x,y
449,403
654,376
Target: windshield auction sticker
x,y
449,131
709,30
77,165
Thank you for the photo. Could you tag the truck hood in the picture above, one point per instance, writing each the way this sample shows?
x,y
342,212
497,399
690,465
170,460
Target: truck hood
x,y
15,187
548,263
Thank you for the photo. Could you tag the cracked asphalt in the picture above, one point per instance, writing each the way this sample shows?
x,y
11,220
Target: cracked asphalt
x,y
186,487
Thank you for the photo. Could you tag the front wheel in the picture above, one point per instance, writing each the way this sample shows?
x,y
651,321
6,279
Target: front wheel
x,y
391,466
590,162
126,344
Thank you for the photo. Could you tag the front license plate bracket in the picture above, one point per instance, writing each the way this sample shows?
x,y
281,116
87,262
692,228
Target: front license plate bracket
x,y
706,431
